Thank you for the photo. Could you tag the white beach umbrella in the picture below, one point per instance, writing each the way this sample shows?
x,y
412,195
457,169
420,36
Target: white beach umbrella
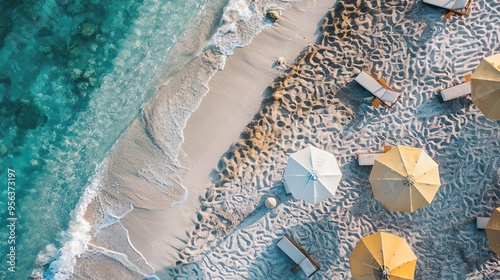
x,y
312,175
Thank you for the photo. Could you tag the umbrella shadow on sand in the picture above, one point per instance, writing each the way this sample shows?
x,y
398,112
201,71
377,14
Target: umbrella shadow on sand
x,y
278,192
318,238
437,107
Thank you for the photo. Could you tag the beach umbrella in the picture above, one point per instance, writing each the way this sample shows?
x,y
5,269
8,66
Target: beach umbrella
x,y
382,256
312,175
493,231
405,179
485,86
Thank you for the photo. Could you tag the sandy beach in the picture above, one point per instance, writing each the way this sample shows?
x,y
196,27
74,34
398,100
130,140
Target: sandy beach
x,y
234,97
316,101
158,199
204,218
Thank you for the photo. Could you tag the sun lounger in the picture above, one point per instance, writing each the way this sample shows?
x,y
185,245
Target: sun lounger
x,y
287,190
302,259
448,4
454,6
461,11
481,222
456,91
367,159
378,88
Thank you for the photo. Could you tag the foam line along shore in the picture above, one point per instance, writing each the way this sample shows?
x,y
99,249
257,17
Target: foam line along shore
x,y
144,165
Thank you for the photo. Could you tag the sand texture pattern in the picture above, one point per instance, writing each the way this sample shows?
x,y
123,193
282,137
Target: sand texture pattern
x,y
317,101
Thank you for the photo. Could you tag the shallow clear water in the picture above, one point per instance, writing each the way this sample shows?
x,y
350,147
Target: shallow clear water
x,y
73,75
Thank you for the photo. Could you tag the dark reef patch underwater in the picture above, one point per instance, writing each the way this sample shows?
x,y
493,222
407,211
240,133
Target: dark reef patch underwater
x,y
54,56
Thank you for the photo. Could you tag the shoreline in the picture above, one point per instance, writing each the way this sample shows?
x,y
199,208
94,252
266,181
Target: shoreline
x,y
241,84
133,231
238,87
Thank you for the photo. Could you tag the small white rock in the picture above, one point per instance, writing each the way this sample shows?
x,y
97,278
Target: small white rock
x,y
271,202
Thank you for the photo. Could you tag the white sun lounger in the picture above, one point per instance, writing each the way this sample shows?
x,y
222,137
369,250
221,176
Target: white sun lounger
x,y
481,222
367,159
387,96
456,91
448,4
302,259
459,7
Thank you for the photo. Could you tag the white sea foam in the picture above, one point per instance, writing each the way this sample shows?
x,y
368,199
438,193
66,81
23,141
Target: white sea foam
x,y
236,10
77,236
241,21
108,114
124,260
111,219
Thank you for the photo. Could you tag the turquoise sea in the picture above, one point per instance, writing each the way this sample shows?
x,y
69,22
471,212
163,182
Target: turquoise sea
x,y
73,76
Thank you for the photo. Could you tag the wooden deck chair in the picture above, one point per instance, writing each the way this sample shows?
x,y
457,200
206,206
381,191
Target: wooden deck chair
x,y
378,87
459,7
376,102
301,258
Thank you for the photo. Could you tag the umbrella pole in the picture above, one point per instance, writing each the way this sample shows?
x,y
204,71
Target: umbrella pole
x,y
384,273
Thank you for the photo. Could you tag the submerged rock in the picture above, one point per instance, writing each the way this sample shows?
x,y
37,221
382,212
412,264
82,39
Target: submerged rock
x,y
75,74
87,29
60,46
88,73
75,51
74,8
5,81
62,2
44,31
3,149
92,82
82,86
30,13
6,25
46,49
28,115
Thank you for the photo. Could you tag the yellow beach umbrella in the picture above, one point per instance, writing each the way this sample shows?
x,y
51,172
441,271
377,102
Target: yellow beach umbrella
x,y
382,256
405,179
493,231
485,86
